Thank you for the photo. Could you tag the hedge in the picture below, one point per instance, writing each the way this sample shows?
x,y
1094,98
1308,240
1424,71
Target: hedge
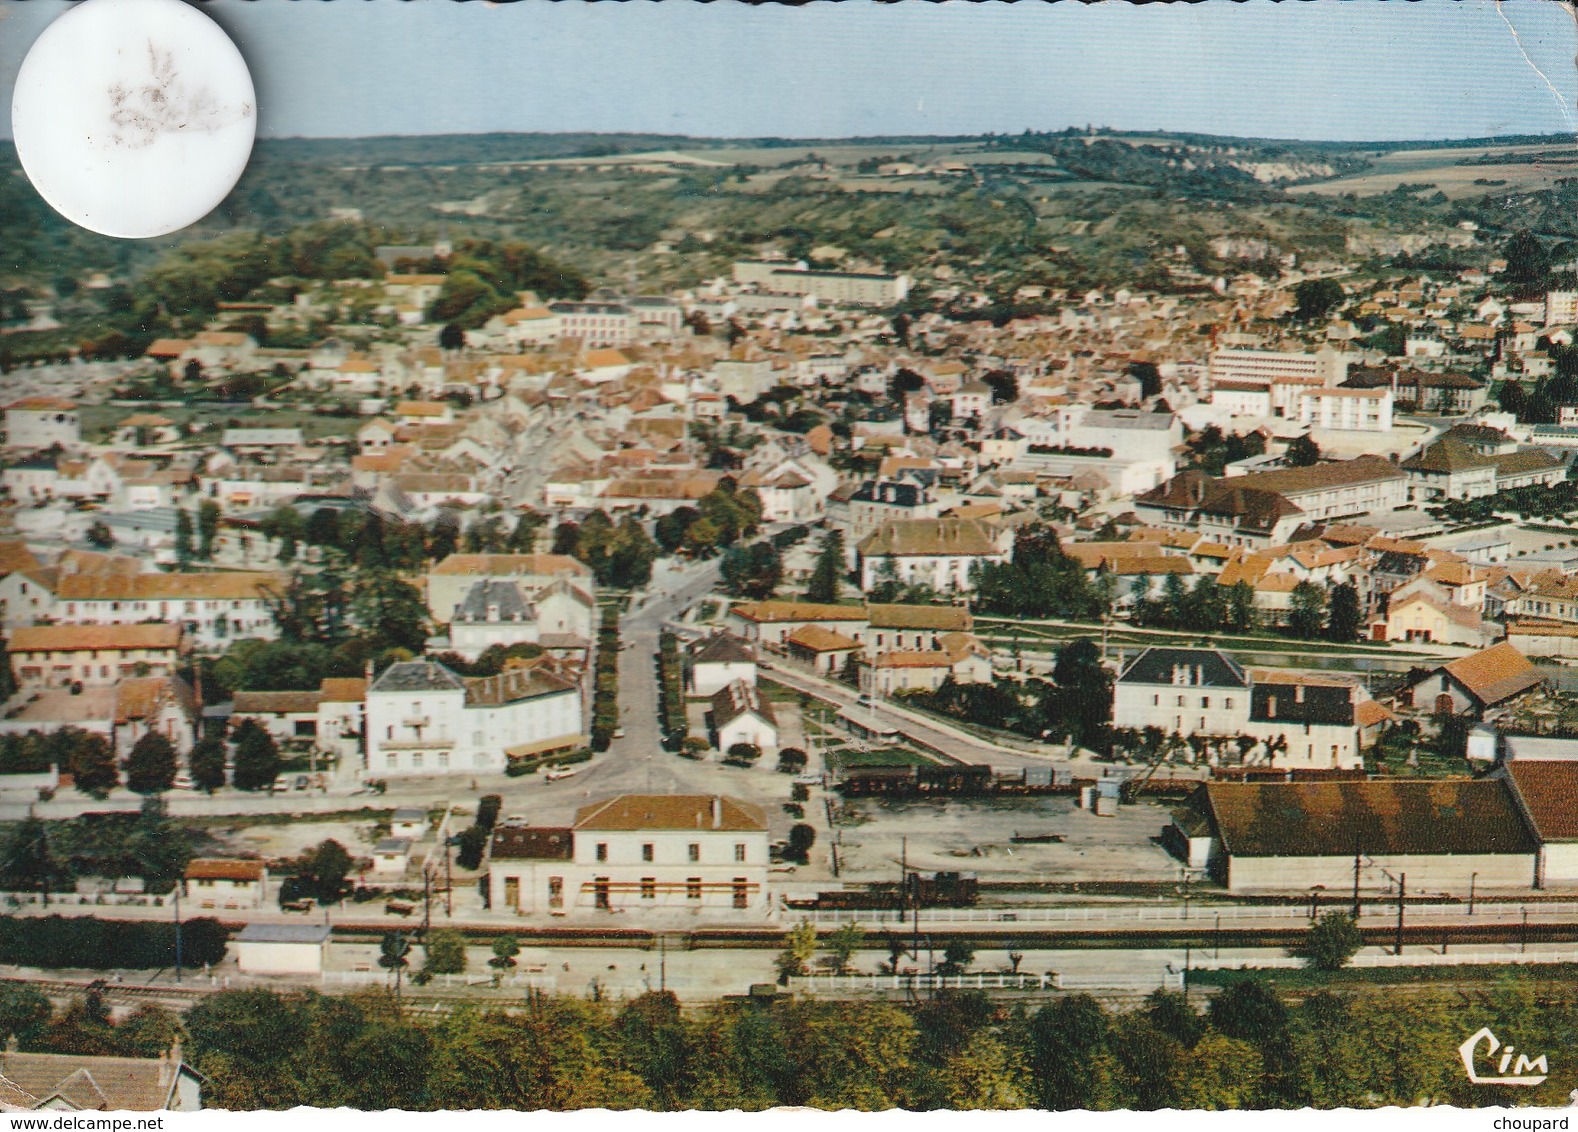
x,y
103,945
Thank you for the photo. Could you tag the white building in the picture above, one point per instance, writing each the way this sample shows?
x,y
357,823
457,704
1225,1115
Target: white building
x,y
282,949
422,719
1561,308
741,714
637,852
499,612
215,882
717,662
215,608
1263,367
940,553
39,422
451,580
1183,692
1345,410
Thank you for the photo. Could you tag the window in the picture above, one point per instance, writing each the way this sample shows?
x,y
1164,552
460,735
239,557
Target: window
x,y
556,892
646,851
692,888
1227,702
648,888
1156,701
416,759
739,851
742,892
694,851
1180,701
1205,701
602,850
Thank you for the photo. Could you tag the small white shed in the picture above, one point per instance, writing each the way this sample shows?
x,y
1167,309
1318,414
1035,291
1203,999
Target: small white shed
x,y
409,822
282,949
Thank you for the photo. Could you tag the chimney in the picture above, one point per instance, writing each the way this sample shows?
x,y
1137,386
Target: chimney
x,y
717,812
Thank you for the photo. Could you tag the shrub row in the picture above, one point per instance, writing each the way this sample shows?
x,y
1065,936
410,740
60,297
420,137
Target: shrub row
x,y
103,945
671,693
605,696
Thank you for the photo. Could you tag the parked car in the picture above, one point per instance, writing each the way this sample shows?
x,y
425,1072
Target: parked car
x,y
554,773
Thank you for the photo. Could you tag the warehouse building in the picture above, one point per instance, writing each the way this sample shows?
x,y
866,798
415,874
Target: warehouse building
x,y
1445,834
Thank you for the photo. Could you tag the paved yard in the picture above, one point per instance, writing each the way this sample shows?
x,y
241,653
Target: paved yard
x,y
973,835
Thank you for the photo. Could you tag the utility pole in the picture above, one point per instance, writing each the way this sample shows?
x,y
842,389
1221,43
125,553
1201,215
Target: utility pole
x,y
1402,895
178,931
449,883
1523,940
427,902
1356,880
1188,962
1472,877
662,977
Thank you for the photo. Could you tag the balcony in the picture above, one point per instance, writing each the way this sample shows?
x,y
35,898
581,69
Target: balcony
x,y
415,721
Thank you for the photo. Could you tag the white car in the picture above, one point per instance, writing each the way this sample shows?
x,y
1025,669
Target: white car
x,y
554,773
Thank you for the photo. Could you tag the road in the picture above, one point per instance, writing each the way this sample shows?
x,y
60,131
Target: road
x,y
950,742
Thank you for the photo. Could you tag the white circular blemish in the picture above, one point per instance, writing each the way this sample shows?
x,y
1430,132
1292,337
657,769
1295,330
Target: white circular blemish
x,y
133,118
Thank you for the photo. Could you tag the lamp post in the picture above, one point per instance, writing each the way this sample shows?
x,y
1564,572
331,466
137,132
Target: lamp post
x,y
1472,879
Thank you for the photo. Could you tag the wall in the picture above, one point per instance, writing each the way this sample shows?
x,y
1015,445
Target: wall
x,y
1438,873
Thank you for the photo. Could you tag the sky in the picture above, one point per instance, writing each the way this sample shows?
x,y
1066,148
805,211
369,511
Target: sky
x,y
1328,69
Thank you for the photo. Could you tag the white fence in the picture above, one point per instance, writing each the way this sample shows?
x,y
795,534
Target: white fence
x,y
473,982
1122,915
83,900
1414,955
1000,980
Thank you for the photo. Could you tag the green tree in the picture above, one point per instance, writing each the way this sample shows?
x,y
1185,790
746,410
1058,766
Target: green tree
x,y
1342,622
1302,452
24,1013
257,759
389,610
1307,611
207,761
446,953
207,528
157,849
653,1039
183,537
285,524
29,864
1330,943
323,871
1249,1011
93,766
1527,262
1316,298
1067,1035
505,948
842,945
799,947
828,573
987,1073
100,536
451,337
150,767
956,958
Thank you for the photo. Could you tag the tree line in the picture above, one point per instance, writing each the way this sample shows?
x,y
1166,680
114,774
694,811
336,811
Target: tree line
x,y
1249,1049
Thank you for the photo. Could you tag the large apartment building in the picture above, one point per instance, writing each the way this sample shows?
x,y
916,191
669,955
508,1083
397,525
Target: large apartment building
x,y
1263,367
850,288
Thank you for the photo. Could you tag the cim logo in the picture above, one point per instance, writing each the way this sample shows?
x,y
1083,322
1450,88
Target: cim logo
x,y
1523,1069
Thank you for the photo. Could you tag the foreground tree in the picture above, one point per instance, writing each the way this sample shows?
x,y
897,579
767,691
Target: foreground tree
x,y
207,761
257,757
150,768
1331,942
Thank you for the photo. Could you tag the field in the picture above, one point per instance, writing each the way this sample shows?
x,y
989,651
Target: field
x,y
1441,168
